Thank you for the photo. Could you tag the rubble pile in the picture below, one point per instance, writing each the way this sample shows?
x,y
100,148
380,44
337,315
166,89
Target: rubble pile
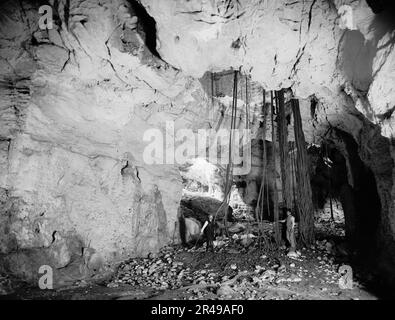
x,y
161,272
272,274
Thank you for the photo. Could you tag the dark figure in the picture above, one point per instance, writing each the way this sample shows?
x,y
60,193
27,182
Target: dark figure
x,y
290,233
208,230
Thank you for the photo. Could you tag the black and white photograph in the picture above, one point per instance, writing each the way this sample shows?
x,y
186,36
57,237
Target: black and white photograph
x,y
188,156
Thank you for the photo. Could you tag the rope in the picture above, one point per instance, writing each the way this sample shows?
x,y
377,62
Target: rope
x,y
330,182
247,107
275,194
212,94
293,176
258,210
229,167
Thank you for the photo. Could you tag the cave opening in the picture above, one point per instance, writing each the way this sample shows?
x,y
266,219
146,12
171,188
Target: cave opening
x,y
340,175
329,174
366,200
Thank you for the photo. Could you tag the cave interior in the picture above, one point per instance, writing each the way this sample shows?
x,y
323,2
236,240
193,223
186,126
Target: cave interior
x,y
297,107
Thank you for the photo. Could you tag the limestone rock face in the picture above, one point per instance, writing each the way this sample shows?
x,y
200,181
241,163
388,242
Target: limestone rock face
x,y
381,92
333,50
76,101
279,42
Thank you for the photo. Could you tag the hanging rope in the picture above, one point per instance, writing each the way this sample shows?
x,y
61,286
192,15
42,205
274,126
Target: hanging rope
x,y
258,209
260,201
229,167
293,179
330,180
276,226
247,106
213,94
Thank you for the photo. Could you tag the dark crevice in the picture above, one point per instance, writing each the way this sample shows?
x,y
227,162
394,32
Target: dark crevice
x,y
299,56
313,107
67,13
138,174
8,141
310,14
54,236
380,6
124,167
146,27
387,115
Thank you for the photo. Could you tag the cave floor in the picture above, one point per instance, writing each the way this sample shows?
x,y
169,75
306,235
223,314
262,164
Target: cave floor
x,y
238,269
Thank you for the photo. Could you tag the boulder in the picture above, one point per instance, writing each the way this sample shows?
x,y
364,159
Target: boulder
x,y
202,207
193,227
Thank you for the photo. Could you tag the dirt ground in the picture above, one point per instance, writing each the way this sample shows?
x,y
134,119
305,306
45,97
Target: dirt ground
x,y
240,268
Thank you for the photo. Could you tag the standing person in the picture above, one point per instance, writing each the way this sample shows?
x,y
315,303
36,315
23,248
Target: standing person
x,y
290,231
208,230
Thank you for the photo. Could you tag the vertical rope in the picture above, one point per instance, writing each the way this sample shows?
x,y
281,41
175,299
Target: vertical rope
x,y
277,234
330,182
293,178
258,210
229,167
213,94
247,106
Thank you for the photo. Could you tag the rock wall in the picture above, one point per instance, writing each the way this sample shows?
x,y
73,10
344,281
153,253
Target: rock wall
x,y
76,100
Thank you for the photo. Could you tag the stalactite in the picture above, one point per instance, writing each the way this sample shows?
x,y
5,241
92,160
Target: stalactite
x,y
305,203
